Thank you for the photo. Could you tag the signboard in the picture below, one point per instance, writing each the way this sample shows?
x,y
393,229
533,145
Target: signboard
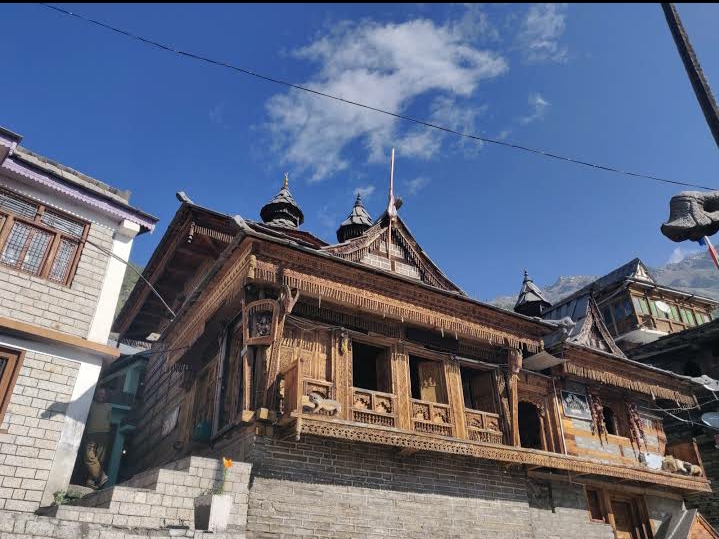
x,y
576,405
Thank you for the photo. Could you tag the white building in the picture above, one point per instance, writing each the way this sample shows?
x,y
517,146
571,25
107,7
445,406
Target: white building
x,y
59,287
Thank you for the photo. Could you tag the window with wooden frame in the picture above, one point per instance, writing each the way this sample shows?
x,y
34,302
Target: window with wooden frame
x,y
595,506
371,368
10,363
39,240
427,380
478,389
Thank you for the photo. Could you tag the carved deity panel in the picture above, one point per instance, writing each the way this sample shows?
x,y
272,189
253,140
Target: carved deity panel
x,y
260,322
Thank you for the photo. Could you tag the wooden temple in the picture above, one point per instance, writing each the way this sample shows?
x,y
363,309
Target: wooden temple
x,y
271,332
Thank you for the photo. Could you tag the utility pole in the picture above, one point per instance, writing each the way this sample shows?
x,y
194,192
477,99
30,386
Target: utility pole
x,y
694,70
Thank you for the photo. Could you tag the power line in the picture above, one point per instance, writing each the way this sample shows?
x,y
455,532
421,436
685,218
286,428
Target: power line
x,y
365,106
139,274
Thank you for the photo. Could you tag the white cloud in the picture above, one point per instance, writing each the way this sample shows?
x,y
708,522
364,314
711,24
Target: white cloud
x,y
365,192
504,134
679,254
539,107
416,185
387,66
217,114
539,35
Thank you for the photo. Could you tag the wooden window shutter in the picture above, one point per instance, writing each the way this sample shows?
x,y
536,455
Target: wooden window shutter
x,y
10,363
431,382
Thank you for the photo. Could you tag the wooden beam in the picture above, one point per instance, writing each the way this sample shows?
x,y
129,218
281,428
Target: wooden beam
x,y
609,484
45,334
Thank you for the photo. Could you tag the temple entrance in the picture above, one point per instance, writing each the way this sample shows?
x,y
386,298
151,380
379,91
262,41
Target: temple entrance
x,y
530,426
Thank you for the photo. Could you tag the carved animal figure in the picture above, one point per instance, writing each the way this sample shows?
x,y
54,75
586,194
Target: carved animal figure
x,y
288,299
692,215
674,465
515,361
330,406
670,464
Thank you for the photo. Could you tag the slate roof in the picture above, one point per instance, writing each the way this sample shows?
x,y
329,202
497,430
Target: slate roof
x,y
589,329
530,293
634,269
357,222
282,210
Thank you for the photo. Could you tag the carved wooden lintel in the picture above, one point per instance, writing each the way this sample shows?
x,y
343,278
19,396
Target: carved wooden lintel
x,y
317,426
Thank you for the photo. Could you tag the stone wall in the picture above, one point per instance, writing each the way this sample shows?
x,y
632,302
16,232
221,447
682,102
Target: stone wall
x,y
31,429
25,526
51,305
661,511
324,488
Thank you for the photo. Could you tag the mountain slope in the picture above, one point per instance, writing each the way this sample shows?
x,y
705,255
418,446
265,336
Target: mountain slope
x,y
695,274
128,283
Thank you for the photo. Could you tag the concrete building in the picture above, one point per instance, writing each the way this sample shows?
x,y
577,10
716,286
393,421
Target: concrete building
x,y
64,241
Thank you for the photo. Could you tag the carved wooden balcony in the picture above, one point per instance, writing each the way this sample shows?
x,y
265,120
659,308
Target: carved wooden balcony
x,y
483,427
373,407
432,418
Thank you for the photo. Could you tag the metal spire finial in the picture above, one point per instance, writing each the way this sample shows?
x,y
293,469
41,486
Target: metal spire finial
x,y
287,180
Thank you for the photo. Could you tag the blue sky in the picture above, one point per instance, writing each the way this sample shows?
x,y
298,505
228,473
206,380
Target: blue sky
x,y
601,83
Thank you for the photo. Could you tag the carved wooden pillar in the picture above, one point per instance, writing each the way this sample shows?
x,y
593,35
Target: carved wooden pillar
x,y
454,393
401,386
341,371
515,366
541,412
260,375
248,382
505,409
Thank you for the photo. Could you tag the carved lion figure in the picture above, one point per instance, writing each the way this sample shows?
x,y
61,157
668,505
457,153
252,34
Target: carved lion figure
x,y
320,404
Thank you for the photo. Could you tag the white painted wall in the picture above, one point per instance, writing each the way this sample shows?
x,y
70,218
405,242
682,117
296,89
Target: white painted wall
x,y
72,430
115,273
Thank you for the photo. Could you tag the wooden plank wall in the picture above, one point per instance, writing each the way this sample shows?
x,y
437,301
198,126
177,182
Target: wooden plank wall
x,y
610,449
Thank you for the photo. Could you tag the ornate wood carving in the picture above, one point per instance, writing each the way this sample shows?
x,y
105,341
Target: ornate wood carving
x,y
405,303
373,407
260,322
400,383
515,366
603,369
506,411
456,400
483,427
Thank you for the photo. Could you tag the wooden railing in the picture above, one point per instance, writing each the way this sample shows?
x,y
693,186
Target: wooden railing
x,y
432,418
373,407
483,426
296,391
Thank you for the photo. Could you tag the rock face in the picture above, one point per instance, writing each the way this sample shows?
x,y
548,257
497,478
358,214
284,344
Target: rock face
x,y
695,274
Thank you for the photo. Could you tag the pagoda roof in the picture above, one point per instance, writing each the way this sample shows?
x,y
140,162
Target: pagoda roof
x,y
283,210
530,293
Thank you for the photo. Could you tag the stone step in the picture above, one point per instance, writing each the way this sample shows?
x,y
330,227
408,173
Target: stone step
x,y
97,515
162,496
